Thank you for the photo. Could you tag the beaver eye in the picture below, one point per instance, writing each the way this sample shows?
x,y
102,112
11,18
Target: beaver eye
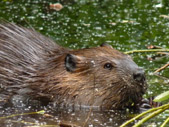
x,y
108,66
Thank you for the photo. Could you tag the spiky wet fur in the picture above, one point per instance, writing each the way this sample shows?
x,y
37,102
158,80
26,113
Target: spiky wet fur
x,y
35,63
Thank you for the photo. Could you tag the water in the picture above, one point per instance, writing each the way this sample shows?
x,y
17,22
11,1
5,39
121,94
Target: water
x,y
126,25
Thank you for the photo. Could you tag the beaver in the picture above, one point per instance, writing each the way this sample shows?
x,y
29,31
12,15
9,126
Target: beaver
x,y
34,67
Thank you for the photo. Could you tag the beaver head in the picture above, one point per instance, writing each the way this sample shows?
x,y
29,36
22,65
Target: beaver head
x,y
100,76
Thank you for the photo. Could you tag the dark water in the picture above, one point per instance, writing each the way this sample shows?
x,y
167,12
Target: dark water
x,y
124,24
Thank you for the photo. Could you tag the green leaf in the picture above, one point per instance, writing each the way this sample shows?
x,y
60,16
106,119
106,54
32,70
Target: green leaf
x,y
162,97
41,112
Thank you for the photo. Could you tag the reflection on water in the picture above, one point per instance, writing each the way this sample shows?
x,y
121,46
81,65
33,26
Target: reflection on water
x,y
127,25
87,118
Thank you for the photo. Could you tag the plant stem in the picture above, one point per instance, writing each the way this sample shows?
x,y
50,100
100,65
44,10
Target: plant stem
x,y
150,116
144,113
162,68
147,50
29,113
165,122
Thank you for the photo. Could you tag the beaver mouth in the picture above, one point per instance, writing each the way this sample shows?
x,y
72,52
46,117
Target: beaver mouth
x,y
135,94
130,94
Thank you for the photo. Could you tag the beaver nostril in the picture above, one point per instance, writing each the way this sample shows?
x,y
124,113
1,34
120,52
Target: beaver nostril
x,y
139,76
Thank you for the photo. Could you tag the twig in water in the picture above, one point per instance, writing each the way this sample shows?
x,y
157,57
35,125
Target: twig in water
x,y
29,113
163,107
162,68
165,122
163,53
162,77
155,113
147,50
88,116
154,47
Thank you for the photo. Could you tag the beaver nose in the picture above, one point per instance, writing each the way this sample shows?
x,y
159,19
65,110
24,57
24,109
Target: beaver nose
x,y
139,76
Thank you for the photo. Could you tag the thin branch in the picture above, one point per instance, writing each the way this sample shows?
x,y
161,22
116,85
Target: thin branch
x,y
147,50
165,122
34,124
89,114
150,116
162,68
162,77
154,47
163,53
29,113
144,113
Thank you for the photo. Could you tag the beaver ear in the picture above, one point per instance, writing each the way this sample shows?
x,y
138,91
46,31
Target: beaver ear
x,y
70,62
106,45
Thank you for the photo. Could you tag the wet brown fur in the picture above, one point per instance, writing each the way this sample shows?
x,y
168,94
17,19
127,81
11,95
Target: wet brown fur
x,y
30,60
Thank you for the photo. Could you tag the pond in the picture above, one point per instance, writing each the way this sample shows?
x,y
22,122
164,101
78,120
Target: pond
x,y
124,24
